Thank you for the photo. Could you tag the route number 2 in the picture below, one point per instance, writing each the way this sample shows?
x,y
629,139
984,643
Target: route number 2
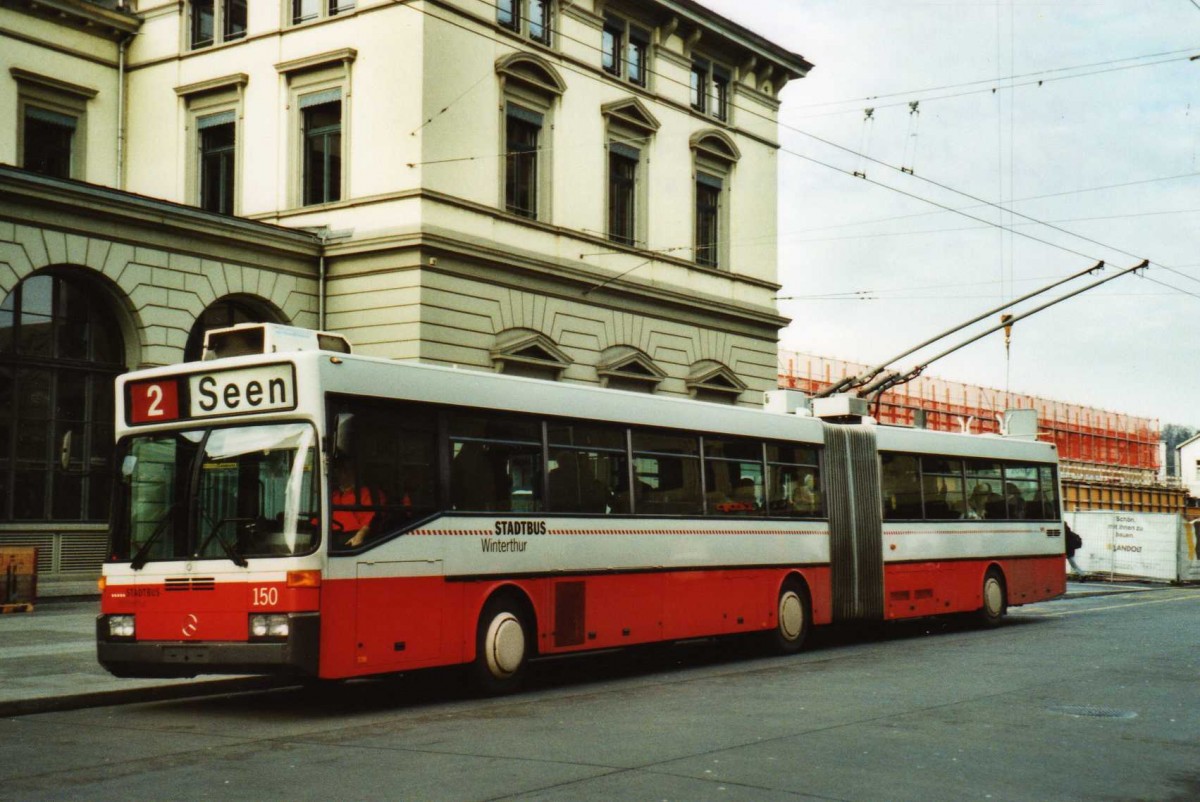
x,y
154,401
154,394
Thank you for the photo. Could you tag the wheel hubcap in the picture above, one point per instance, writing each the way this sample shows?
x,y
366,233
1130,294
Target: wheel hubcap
x,y
505,645
791,615
993,596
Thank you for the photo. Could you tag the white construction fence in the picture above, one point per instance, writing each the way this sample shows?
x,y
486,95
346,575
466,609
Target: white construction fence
x,y
1141,545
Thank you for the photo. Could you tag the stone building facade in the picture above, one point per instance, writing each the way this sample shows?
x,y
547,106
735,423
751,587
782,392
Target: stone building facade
x,y
579,191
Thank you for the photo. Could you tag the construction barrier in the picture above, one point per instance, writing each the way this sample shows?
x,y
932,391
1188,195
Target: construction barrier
x,y
18,578
1137,545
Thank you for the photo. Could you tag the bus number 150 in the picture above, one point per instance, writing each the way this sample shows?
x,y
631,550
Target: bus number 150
x,y
266,597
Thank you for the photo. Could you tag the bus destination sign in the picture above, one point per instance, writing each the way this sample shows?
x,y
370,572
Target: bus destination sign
x,y
265,388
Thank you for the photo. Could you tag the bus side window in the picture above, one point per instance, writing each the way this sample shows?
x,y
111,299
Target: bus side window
x,y
901,478
794,481
393,448
496,463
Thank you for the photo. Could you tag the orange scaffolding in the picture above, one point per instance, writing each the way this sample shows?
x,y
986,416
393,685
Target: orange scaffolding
x,y
1083,434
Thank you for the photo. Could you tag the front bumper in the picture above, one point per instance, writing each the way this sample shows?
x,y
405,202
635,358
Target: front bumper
x,y
298,654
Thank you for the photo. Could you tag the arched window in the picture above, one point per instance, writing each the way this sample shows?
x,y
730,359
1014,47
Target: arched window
x,y
222,314
60,349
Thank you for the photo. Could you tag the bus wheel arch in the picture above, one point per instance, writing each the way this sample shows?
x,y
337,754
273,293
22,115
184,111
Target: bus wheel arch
x,y
505,639
993,597
793,615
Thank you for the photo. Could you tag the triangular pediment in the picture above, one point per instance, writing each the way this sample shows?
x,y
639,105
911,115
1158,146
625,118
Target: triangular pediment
x,y
713,377
627,362
529,349
631,112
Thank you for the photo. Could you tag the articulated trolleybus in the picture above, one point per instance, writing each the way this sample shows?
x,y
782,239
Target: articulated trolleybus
x,y
291,508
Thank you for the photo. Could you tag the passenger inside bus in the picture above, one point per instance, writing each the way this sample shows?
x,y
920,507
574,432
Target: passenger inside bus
x,y
804,495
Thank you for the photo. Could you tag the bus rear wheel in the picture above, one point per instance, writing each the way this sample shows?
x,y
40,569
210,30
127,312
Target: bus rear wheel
x,y
502,646
995,599
792,620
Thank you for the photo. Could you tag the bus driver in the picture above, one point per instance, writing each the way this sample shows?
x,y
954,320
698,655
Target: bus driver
x,y
348,499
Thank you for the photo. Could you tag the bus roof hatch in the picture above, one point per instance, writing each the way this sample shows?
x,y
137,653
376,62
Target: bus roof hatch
x,y
269,338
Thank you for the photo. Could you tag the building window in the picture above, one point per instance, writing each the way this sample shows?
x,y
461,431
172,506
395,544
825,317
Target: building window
x,y
322,148
699,86
708,219
530,18
710,89
622,193
217,139
715,154
529,87
49,142
630,131
213,168
60,350
308,10
523,130
51,124
319,92
624,49
211,16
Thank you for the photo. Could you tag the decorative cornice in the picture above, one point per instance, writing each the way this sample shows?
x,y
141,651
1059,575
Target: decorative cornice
x,y
46,82
225,82
90,17
33,199
345,55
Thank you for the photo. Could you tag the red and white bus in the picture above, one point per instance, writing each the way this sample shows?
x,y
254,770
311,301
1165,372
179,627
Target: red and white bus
x,y
338,516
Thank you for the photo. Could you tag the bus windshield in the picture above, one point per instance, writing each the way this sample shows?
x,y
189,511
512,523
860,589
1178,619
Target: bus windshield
x,y
225,493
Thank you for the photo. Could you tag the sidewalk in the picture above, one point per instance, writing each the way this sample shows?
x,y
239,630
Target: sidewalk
x,y
48,660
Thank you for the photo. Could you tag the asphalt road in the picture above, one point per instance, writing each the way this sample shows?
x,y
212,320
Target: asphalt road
x,y
1089,699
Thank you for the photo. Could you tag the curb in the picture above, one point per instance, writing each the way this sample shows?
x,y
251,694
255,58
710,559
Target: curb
x,y
1103,591
124,696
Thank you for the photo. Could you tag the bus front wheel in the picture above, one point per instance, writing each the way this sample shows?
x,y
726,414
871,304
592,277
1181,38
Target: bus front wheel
x,y
501,646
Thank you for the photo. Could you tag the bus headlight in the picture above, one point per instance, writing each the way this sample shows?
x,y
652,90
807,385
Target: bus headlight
x,y
269,626
120,626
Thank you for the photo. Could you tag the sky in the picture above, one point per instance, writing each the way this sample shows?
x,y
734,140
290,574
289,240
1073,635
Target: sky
x,y
1064,133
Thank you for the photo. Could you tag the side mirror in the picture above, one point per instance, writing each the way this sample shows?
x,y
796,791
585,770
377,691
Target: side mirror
x,y
343,433
64,450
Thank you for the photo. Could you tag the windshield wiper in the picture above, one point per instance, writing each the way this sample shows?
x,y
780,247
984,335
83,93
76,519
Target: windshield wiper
x,y
143,554
230,551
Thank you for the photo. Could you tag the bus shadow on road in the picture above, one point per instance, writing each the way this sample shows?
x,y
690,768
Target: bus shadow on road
x,y
671,662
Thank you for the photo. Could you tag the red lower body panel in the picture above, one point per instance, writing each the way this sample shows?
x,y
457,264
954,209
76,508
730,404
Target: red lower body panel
x,y
383,625
914,590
